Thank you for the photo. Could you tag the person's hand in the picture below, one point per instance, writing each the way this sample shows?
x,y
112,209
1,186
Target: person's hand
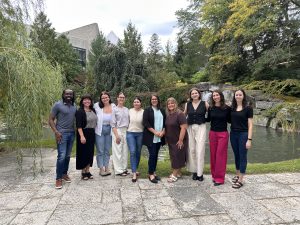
x,y
179,144
82,140
118,140
58,137
248,144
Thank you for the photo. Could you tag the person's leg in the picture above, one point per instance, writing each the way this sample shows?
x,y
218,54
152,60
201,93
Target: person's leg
x,y
221,157
116,155
70,141
139,145
213,143
157,147
124,151
234,140
100,150
61,156
130,137
243,137
191,152
200,149
107,147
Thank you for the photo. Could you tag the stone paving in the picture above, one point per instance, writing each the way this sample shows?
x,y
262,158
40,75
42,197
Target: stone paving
x,y
264,199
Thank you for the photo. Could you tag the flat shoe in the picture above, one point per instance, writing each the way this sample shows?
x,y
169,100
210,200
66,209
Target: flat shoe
x,y
237,185
153,180
157,178
217,184
133,180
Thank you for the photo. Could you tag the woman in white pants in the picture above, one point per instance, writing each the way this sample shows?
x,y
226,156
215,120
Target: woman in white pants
x,y
195,109
119,124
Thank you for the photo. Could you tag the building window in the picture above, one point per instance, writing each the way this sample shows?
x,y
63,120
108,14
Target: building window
x,y
81,56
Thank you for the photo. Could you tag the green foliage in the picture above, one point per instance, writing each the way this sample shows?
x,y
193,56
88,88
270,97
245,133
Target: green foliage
x,y
98,47
272,112
200,76
289,117
289,87
57,50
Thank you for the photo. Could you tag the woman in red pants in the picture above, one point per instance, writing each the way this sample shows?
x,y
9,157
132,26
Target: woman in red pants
x,y
218,116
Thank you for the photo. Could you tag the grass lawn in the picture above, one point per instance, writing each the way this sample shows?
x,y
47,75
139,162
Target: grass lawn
x,y
163,166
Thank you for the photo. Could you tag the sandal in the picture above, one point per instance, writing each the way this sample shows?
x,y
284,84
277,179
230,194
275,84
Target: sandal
x,y
172,178
235,179
84,176
237,185
124,174
89,175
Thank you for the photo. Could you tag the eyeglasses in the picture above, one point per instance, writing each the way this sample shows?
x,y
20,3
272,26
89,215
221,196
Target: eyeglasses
x,y
121,97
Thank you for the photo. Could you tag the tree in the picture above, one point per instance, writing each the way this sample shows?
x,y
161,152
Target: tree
x,y
135,72
29,83
57,50
98,47
154,55
168,57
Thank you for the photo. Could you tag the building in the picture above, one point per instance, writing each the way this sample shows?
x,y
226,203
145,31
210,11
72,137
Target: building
x,y
81,39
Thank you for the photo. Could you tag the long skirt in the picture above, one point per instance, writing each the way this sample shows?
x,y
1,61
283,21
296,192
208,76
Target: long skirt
x,y
85,152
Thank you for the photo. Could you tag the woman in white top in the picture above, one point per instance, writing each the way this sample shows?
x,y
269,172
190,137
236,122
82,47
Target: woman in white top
x,y
103,132
119,124
134,135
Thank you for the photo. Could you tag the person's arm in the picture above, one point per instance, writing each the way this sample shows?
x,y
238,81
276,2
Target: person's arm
x,y
185,109
250,130
51,122
82,137
147,124
80,124
206,105
183,128
208,119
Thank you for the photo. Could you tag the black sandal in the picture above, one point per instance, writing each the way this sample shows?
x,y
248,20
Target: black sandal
x,y
235,179
84,176
89,175
237,185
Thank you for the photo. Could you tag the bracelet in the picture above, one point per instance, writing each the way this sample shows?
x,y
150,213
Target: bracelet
x,y
250,139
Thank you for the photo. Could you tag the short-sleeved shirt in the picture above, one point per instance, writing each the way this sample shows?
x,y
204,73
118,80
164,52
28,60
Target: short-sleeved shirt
x,y
239,119
120,117
218,118
65,116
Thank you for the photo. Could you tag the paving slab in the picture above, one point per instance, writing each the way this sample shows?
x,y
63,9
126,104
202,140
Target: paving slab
x,y
296,187
195,201
288,209
89,213
41,204
6,216
33,218
15,200
269,190
221,219
286,178
244,210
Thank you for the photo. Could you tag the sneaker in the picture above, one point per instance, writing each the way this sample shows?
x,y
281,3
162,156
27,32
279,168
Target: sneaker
x,y
58,184
66,178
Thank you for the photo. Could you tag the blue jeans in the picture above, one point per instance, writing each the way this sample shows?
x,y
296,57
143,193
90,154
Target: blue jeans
x,y
153,155
64,149
103,145
238,143
134,142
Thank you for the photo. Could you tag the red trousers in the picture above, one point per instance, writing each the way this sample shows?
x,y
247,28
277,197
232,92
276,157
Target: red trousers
x,y
218,142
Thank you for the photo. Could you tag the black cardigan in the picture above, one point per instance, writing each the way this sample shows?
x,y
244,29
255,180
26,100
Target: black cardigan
x,y
148,122
81,118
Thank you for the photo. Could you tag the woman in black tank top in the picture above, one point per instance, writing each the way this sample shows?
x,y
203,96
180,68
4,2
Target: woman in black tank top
x,y
195,111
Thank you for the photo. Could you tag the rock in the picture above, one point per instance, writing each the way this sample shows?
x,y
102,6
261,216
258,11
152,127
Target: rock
x,y
260,120
274,123
264,104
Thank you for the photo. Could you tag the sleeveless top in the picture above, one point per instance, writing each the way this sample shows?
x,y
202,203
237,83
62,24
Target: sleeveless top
x,y
196,116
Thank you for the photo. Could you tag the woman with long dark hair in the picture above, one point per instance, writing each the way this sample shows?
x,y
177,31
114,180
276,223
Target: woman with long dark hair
x,y
103,110
218,116
134,135
86,121
241,134
153,137
195,109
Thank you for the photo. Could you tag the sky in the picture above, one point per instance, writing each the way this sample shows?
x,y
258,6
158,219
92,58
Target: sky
x,y
148,16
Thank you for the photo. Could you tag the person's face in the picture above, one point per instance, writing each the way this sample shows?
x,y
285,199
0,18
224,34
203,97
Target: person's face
x,y
216,97
137,104
195,95
105,99
86,102
239,96
154,101
68,95
121,99
171,106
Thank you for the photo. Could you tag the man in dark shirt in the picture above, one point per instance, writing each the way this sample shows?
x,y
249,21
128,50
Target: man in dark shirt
x,y
61,121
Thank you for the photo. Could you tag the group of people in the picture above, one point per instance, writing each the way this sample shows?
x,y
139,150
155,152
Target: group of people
x,y
113,126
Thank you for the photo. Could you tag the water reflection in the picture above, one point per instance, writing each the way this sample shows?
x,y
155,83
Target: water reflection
x,y
269,145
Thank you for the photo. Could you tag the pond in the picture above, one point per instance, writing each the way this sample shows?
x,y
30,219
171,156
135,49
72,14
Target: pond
x,y
268,145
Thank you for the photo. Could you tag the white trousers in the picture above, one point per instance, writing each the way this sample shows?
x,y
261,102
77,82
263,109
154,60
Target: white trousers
x,y
120,151
196,150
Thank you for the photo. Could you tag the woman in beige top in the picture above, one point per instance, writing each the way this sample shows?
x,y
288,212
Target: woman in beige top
x,y
134,135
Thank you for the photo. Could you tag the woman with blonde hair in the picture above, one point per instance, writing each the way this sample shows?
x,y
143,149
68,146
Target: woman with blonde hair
x,y
176,137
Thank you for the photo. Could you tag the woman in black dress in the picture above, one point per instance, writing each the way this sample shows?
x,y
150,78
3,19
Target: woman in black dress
x,y
86,121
